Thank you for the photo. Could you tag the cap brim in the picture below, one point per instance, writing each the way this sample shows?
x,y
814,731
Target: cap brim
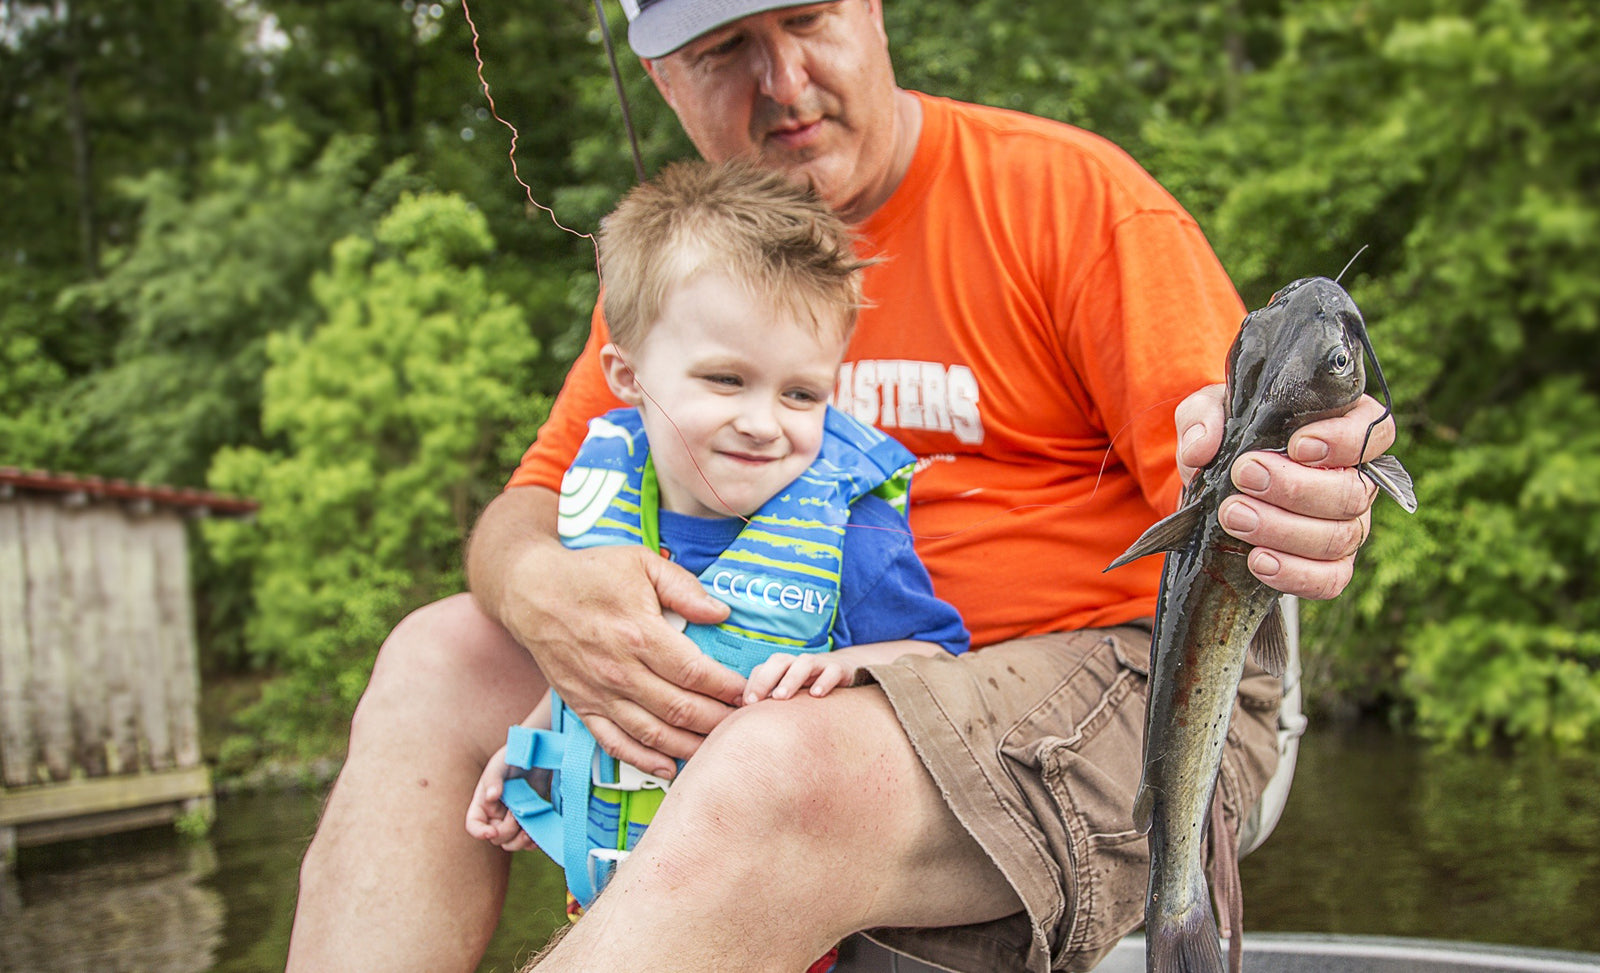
x,y
667,25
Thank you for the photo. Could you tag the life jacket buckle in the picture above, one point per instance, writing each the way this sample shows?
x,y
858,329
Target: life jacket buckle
x,y
623,776
603,864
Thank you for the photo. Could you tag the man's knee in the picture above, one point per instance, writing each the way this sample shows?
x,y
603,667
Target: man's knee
x,y
448,657
767,761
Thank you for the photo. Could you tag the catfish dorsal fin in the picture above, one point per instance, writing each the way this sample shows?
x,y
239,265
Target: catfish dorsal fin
x,y
1167,534
1271,644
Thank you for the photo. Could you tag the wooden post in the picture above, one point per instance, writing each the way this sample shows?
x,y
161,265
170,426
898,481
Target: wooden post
x,y
85,604
47,690
16,664
176,618
117,656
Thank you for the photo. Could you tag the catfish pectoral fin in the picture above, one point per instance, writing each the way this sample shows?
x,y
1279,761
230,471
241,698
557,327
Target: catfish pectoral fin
x,y
1392,478
1144,808
1271,642
1167,534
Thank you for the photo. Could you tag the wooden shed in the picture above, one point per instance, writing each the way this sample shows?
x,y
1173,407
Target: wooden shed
x,y
99,675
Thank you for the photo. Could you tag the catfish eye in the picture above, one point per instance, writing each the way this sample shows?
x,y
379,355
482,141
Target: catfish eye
x,y
1339,361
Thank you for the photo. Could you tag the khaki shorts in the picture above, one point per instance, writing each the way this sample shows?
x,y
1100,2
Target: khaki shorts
x,y
1036,745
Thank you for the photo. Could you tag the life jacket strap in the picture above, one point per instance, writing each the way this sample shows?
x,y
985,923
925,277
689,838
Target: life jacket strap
x,y
583,770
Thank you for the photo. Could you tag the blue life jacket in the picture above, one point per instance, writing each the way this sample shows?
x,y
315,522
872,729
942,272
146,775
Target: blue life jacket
x,y
779,578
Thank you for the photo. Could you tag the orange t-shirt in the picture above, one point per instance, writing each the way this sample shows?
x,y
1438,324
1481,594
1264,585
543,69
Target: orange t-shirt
x,y
1043,307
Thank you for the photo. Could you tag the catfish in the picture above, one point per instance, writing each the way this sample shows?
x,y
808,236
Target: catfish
x,y
1294,361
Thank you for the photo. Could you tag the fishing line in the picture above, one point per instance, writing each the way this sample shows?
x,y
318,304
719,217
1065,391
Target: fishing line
x,y
1388,404
1105,461
687,450
511,153
477,54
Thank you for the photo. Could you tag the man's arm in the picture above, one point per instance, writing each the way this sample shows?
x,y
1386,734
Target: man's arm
x,y
592,620
1306,513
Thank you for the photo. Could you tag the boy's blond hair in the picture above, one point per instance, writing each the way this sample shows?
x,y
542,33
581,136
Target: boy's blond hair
x,y
750,224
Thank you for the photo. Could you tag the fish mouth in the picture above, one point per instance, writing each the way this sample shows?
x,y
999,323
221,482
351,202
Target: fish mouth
x,y
1333,412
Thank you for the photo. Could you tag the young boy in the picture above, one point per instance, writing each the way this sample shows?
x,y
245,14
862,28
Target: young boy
x,y
730,295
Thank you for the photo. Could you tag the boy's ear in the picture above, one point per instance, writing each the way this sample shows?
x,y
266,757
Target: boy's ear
x,y
619,375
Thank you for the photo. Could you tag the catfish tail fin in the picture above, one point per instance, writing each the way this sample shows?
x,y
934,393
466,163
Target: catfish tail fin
x,y
1185,942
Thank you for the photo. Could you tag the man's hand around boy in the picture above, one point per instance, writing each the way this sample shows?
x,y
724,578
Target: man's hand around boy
x,y
593,621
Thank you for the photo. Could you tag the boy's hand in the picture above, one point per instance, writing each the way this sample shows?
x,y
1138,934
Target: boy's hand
x,y
489,819
783,675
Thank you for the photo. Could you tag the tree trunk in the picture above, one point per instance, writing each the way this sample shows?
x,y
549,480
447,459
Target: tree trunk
x,y
82,152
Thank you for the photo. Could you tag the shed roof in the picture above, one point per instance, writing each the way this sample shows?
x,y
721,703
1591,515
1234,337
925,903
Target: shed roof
x,y
71,487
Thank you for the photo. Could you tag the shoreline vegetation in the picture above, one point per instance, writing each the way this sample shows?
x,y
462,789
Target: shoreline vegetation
x,y
295,266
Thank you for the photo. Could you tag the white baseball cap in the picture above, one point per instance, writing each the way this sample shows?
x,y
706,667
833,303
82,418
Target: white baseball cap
x,y
659,27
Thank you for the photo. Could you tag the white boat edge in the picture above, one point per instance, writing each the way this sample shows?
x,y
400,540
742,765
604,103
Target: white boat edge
x,y
1275,952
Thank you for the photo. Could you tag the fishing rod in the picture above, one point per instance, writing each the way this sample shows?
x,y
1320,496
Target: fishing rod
x,y
622,95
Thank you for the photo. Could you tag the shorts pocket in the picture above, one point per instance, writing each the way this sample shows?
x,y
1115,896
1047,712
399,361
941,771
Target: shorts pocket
x,y
1091,771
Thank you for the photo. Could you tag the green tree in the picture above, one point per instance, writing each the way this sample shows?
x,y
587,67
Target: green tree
x,y
407,75
91,92
399,414
1451,137
208,278
1110,68
31,382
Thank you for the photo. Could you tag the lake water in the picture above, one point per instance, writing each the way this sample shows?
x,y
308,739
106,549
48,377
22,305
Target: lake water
x,y
1381,836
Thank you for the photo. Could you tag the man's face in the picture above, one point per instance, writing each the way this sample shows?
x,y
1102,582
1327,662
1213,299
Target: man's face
x,y
808,90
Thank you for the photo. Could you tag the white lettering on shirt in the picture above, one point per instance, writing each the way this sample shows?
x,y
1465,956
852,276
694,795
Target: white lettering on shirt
x,y
898,394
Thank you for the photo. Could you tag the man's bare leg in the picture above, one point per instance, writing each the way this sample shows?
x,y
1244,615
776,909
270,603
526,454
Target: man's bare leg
x,y
799,822
391,880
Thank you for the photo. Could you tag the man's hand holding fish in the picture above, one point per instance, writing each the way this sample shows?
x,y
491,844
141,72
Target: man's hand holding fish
x,y
1307,512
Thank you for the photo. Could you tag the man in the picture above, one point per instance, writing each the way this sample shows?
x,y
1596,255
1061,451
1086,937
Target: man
x,y
986,802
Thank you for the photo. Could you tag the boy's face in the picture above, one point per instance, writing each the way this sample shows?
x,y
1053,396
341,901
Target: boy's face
x,y
733,394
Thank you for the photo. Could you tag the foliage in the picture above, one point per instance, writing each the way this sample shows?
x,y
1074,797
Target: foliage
x,y
1106,67
195,823
83,85
176,174
1485,592
207,279
398,413
1446,135
32,382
